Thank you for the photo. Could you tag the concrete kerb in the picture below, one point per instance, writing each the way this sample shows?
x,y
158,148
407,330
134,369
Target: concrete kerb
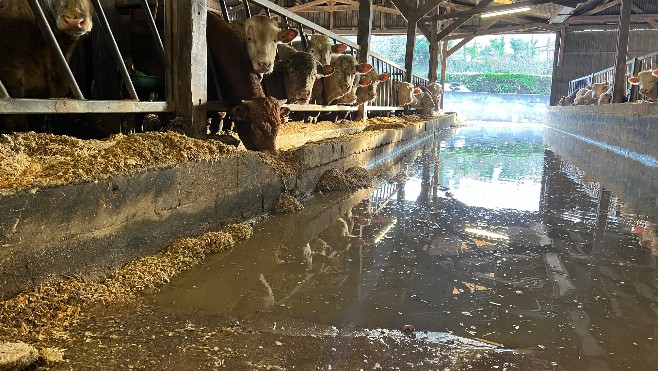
x,y
89,229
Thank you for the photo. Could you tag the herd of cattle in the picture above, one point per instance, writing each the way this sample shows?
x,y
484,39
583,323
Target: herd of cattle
x,y
258,68
601,93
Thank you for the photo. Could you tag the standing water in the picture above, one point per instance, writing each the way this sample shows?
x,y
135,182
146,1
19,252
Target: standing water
x,y
485,235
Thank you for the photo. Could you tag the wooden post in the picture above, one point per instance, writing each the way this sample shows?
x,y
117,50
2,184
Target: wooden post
x,y
434,51
409,54
444,63
190,65
364,30
619,90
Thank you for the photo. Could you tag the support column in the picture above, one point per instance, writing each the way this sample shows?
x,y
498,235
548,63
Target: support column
x,y
434,51
409,54
364,30
444,63
619,91
190,65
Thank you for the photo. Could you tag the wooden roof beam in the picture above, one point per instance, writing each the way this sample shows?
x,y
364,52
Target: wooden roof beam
x,y
465,41
502,30
476,10
460,21
651,22
602,7
635,18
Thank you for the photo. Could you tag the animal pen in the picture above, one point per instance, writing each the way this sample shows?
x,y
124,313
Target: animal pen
x,y
173,33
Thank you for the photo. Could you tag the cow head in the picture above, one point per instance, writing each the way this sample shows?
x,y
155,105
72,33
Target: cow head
x,y
320,47
261,36
345,70
648,82
368,92
301,70
73,17
257,122
406,92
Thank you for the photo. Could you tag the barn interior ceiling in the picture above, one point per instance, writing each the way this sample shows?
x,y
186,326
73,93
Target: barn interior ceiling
x,y
458,19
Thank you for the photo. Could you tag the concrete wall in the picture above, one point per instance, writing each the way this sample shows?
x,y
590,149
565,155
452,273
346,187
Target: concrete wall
x,y
617,144
496,107
89,229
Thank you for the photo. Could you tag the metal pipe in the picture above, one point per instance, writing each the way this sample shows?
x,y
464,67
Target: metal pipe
x,y
54,46
155,33
222,5
247,11
3,91
213,75
303,36
105,25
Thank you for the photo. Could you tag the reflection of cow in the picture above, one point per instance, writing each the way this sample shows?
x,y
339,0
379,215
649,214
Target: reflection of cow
x,y
257,118
29,67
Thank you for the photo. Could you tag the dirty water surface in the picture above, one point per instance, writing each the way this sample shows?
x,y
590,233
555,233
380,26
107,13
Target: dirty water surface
x,y
478,250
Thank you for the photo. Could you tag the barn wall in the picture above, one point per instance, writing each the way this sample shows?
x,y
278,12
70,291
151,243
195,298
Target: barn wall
x,y
587,52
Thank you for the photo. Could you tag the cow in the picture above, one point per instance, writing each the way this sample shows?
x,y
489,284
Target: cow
x,y
407,93
648,82
368,92
257,117
29,67
321,48
590,94
261,36
298,72
327,90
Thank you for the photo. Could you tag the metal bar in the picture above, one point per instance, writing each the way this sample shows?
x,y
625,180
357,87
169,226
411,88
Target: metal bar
x,y
105,25
213,74
224,8
155,33
303,36
3,91
247,11
268,13
54,46
28,106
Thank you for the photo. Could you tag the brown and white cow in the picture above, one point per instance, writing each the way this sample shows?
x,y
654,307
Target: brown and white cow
x,y
298,72
327,90
261,36
648,82
257,118
407,93
367,93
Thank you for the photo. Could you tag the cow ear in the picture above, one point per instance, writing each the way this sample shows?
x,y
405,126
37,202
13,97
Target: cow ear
x,y
240,112
365,81
338,48
384,76
634,80
286,36
326,70
655,73
363,68
417,90
285,111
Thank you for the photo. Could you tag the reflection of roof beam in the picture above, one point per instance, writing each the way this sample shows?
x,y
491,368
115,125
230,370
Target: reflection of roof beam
x,y
635,18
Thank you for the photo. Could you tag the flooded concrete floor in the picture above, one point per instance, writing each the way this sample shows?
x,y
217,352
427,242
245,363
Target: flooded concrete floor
x,y
481,250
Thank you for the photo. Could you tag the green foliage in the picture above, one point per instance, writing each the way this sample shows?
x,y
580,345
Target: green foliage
x,y
518,83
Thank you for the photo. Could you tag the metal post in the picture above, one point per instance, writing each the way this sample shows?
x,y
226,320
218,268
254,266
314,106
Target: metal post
x,y
222,5
155,33
247,11
3,91
52,42
105,25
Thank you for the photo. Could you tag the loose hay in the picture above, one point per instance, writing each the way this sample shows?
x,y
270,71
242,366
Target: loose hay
x,y
337,180
48,310
287,205
31,159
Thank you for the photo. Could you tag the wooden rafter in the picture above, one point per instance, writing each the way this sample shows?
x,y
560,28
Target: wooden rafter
x,y
602,7
466,40
635,18
502,30
461,20
651,22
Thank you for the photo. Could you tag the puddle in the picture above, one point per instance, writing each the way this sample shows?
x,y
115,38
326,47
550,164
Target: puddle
x,y
484,239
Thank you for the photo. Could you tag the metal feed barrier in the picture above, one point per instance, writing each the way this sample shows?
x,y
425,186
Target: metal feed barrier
x,y
633,67
385,101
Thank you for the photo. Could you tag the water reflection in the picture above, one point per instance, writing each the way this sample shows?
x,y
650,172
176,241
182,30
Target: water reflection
x,y
560,268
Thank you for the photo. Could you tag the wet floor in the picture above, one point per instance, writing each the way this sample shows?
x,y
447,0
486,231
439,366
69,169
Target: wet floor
x,y
479,240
